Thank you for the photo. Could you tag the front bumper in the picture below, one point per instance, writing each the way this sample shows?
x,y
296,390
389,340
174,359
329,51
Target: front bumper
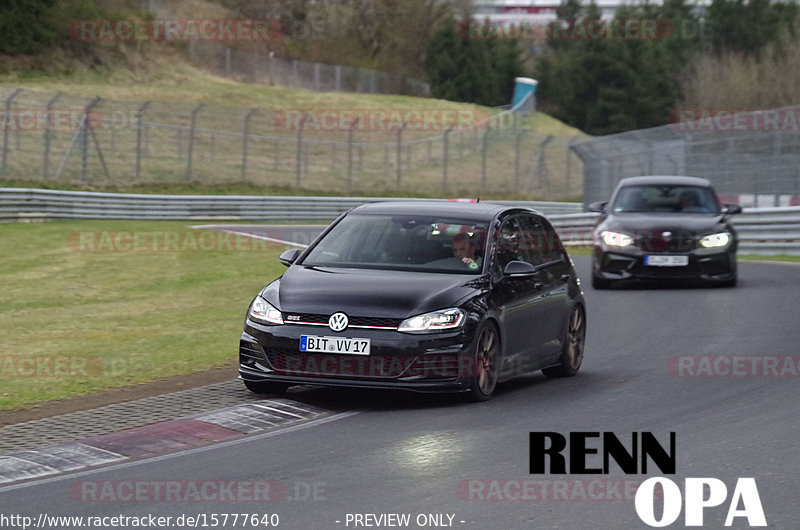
x,y
437,362
611,263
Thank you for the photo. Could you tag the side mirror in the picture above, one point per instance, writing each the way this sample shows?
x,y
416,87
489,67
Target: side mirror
x,y
289,256
598,207
731,209
520,269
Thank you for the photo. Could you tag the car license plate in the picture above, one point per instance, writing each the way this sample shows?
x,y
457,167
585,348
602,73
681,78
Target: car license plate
x,y
342,345
666,261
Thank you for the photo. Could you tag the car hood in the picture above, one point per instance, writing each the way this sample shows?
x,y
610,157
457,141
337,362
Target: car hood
x,y
644,222
364,292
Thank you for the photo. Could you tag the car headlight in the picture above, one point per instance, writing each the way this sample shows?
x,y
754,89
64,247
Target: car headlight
x,y
434,321
615,239
262,311
716,240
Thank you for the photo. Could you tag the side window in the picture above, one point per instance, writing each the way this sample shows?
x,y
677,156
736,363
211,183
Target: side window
x,y
534,240
509,246
553,248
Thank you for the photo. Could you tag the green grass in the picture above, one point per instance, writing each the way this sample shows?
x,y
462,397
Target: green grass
x,y
118,317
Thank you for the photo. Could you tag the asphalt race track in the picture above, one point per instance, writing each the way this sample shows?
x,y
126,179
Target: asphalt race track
x,y
652,364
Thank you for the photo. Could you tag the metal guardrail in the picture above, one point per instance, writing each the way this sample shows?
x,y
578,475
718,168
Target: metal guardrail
x,y
766,231
762,231
20,204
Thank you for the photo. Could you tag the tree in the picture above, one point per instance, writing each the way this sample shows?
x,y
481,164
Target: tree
x,y
467,62
608,85
748,26
26,26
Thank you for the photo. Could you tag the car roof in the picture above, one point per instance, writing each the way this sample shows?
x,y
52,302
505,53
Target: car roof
x,y
665,181
477,211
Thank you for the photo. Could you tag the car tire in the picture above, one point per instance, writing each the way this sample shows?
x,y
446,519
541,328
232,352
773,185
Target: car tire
x,y
600,283
260,387
571,355
485,364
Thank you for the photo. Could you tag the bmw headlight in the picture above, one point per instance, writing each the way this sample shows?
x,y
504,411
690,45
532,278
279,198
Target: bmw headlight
x,y
716,240
263,312
615,239
434,321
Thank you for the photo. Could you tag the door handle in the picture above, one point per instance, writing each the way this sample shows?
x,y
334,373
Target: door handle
x,y
538,286
565,277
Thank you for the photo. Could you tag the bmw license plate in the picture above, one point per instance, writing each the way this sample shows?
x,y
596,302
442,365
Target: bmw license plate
x,y
666,261
343,345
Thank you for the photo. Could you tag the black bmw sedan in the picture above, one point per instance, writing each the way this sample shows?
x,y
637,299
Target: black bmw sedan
x,y
428,296
664,228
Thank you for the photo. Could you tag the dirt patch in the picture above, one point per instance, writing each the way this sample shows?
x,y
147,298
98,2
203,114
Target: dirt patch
x,y
118,395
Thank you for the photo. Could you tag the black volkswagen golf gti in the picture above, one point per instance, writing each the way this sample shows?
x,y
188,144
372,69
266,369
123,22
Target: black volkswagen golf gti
x,y
428,296
657,228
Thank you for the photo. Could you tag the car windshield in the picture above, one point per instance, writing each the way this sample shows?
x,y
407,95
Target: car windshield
x,y
403,242
666,199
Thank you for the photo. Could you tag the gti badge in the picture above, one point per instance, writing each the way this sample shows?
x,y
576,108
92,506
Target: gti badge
x,y
338,322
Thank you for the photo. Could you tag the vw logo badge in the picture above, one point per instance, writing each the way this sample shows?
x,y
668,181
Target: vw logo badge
x,y
338,322
666,235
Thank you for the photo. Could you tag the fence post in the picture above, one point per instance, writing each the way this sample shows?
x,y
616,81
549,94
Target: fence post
x,y
85,136
483,158
48,132
400,154
517,146
444,158
541,167
245,137
189,172
139,135
299,172
569,164
5,121
90,130
350,154
270,79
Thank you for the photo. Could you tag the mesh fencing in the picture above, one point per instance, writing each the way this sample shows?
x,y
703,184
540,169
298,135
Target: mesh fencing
x,y
750,157
52,138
